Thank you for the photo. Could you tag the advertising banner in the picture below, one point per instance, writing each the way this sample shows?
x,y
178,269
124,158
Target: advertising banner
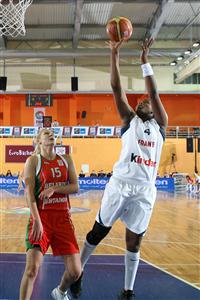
x,y
57,131
8,182
18,153
67,131
16,131
165,184
6,131
89,183
61,150
47,121
29,131
95,183
92,131
39,113
118,131
80,131
105,131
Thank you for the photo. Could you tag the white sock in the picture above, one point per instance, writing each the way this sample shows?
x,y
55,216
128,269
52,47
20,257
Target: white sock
x,y
62,293
86,251
131,266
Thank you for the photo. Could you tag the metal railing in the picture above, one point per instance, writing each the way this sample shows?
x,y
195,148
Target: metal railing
x,y
182,131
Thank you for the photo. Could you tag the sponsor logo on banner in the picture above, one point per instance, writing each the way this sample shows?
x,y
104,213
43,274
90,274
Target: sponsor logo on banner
x,y
88,183
7,131
38,116
105,131
80,131
9,181
166,184
61,150
16,131
17,153
93,181
29,131
67,131
57,131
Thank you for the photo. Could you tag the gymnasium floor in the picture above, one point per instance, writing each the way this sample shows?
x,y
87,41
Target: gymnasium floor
x,y
170,264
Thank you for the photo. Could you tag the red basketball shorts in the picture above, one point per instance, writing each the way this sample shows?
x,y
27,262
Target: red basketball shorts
x,y
58,233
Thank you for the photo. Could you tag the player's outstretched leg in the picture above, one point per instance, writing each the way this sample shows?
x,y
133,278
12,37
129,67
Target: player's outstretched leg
x,y
93,238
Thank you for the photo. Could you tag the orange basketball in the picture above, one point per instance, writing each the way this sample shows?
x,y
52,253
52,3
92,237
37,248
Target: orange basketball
x,y
119,28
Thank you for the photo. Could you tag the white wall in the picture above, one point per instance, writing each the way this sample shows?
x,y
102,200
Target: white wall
x,y
58,78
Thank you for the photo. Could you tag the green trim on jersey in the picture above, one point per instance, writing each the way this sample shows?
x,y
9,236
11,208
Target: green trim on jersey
x,y
28,244
37,187
37,179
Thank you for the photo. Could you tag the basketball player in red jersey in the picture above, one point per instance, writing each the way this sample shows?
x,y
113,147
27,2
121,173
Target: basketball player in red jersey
x,y
49,178
130,194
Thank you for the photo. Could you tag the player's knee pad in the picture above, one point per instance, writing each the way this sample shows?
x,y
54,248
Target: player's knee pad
x,y
97,234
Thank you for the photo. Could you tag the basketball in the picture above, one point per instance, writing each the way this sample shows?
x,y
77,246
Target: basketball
x,y
119,28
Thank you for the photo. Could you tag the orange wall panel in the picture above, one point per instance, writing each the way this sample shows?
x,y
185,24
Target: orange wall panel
x,y
182,109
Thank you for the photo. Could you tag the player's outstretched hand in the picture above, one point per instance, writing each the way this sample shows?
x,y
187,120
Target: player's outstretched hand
x,y
145,50
115,46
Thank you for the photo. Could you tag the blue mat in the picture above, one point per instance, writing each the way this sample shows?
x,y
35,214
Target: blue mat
x,y
103,279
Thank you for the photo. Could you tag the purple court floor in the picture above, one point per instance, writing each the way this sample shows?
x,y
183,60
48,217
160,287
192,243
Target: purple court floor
x,y
103,278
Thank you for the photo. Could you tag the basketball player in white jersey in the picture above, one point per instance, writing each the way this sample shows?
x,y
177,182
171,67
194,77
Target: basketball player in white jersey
x,y
131,192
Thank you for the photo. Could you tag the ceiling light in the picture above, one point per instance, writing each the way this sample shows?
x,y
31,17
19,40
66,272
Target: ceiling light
x,y
189,51
196,44
173,63
180,57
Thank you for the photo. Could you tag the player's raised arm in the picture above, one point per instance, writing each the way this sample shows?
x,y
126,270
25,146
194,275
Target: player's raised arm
x,y
159,112
125,110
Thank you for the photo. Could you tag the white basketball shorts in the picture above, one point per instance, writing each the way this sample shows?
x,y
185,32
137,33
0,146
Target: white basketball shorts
x,y
131,203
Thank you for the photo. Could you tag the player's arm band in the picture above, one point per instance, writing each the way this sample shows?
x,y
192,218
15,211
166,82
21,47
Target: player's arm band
x,y
147,70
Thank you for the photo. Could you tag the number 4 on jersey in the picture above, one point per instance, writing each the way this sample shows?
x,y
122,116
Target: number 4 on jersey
x,y
147,131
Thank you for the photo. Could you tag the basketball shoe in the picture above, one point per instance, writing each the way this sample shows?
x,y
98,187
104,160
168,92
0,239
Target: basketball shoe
x,y
76,287
58,295
126,295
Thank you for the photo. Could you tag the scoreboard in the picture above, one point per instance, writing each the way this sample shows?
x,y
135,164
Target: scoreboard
x,y
38,100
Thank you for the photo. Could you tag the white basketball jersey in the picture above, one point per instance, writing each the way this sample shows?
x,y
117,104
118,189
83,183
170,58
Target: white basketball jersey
x,y
141,150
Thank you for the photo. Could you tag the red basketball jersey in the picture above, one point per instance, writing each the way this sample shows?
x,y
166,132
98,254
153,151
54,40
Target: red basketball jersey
x,y
51,173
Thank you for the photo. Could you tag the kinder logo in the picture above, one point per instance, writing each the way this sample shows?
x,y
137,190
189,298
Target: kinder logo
x,y
18,153
139,160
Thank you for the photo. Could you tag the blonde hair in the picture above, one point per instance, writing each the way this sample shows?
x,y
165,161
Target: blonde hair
x,y
36,141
